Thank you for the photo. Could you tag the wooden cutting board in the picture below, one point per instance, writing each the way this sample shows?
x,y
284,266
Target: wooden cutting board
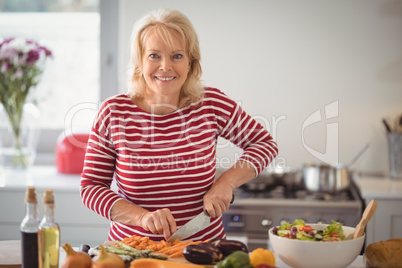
x,y
10,253
183,260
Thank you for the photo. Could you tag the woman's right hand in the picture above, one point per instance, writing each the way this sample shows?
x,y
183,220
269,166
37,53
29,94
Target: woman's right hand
x,y
160,221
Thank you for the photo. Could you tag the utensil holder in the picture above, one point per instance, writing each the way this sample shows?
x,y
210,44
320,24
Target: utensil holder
x,y
395,155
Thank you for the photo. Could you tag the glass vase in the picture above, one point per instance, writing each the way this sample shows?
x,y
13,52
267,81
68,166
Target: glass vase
x,y
18,143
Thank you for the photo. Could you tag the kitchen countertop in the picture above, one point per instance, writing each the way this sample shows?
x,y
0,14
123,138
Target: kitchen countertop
x,y
12,248
378,187
42,177
47,177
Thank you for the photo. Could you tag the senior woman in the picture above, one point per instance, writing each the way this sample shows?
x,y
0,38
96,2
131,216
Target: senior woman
x,y
158,141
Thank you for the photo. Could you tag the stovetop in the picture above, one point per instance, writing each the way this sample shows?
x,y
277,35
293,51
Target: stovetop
x,y
281,194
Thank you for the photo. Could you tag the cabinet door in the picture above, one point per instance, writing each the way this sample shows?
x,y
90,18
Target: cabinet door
x,y
78,225
386,222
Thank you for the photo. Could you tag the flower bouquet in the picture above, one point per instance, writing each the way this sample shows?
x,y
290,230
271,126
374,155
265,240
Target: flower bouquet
x,y
21,64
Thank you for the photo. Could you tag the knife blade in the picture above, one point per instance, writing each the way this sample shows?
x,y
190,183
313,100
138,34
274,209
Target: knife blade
x,y
195,225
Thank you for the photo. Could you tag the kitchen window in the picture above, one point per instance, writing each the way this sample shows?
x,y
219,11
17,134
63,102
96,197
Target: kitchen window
x,y
70,88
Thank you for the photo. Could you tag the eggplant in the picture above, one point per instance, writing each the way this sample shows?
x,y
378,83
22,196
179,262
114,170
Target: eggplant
x,y
84,248
204,253
229,246
215,241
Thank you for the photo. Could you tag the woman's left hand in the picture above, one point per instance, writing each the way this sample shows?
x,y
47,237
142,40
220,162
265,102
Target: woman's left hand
x,y
217,200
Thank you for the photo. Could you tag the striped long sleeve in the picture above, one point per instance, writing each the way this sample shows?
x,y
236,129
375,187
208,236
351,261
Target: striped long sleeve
x,y
166,161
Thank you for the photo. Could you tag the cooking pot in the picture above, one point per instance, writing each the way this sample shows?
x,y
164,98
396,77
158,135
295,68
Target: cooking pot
x,y
327,178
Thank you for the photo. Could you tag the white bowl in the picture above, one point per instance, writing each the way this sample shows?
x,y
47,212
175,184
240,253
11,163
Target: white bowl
x,y
301,253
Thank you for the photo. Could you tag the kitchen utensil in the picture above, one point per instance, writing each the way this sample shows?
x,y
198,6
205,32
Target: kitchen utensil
x,y
326,178
357,155
387,127
367,215
395,154
398,124
195,225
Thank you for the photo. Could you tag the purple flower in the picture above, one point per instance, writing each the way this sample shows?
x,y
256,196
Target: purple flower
x,y
7,53
8,40
47,51
33,55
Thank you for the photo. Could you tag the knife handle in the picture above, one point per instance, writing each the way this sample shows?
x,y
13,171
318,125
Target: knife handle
x,y
231,202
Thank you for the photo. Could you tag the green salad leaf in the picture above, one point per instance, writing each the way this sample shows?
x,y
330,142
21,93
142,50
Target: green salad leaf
x,y
298,222
335,227
284,226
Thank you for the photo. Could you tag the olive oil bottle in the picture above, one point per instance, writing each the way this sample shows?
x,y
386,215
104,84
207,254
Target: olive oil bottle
x,y
29,231
49,234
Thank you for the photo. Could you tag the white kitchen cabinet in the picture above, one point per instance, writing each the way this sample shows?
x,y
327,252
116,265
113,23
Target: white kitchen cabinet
x,y
387,220
78,225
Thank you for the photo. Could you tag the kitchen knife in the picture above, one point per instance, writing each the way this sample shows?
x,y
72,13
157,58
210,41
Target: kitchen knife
x,y
195,225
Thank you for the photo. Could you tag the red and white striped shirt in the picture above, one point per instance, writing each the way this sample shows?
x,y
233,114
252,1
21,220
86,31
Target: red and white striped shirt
x,y
166,161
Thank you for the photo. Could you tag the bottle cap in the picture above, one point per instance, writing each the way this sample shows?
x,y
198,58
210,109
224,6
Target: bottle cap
x,y
30,195
48,197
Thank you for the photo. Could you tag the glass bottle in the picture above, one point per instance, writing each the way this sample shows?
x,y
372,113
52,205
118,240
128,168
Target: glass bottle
x,y
49,234
29,231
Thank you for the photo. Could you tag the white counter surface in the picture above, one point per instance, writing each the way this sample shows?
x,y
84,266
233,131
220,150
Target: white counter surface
x,y
379,187
47,177
41,177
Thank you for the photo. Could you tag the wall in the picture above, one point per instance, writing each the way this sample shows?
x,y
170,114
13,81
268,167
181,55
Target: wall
x,y
285,60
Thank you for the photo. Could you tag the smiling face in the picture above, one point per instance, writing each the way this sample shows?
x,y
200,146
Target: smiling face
x,y
164,67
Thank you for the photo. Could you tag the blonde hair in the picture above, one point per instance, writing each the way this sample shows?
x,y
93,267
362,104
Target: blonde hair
x,y
166,23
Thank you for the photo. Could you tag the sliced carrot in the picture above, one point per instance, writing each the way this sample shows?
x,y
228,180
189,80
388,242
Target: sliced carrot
x,y
176,254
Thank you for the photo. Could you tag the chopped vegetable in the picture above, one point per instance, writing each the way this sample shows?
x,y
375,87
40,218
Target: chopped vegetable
x,y
137,254
335,227
144,242
299,230
147,263
177,250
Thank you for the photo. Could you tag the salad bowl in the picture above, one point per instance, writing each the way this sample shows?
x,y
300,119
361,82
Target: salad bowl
x,y
308,253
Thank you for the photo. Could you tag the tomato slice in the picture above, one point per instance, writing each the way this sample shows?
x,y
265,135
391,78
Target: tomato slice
x,y
307,228
334,235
